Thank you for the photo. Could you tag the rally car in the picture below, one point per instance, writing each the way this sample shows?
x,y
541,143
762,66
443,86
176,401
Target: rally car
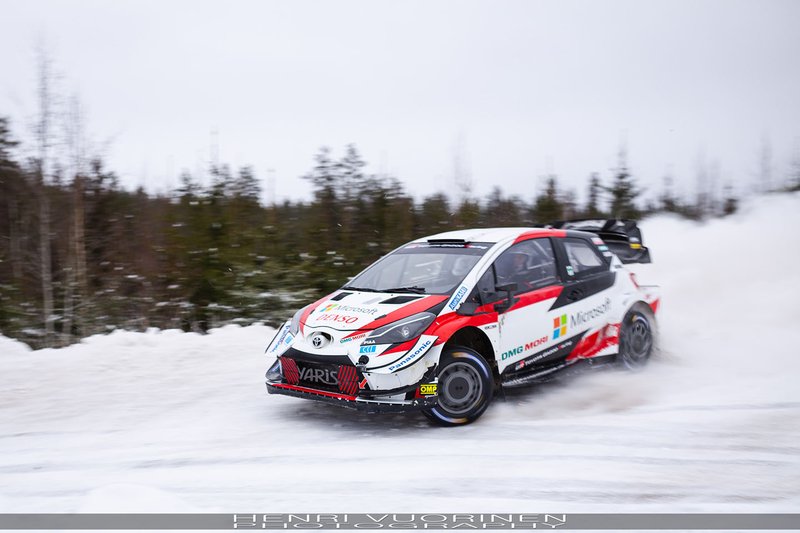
x,y
444,323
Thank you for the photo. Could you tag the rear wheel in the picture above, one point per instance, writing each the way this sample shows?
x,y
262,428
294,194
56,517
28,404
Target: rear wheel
x,y
465,388
636,338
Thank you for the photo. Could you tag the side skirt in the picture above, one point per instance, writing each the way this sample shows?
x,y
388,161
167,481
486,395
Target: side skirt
x,y
558,371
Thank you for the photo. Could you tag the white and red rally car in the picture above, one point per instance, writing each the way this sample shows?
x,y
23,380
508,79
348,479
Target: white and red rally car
x,y
443,323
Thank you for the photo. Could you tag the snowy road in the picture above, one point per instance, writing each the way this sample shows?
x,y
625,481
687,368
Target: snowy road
x,y
174,422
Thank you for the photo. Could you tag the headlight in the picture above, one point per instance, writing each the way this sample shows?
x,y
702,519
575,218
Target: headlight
x,y
402,330
294,327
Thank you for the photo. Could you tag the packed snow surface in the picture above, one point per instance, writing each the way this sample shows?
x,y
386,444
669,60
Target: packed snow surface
x,y
166,421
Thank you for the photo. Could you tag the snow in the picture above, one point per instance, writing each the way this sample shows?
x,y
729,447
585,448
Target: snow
x,y
12,347
166,421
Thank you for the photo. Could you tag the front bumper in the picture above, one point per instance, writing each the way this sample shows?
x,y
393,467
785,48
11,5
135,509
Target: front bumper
x,y
353,402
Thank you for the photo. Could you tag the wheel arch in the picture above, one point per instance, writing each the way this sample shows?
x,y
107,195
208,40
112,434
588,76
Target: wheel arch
x,y
642,308
476,339
645,308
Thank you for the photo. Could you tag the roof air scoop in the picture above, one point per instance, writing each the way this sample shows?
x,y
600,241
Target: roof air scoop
x,y
460,242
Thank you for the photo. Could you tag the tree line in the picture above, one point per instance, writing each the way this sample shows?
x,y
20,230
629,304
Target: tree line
x,y
80,254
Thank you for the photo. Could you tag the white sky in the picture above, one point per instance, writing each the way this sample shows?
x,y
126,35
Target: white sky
x,y
525,87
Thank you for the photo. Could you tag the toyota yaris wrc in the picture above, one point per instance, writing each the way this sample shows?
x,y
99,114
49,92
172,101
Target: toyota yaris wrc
x,y
443,323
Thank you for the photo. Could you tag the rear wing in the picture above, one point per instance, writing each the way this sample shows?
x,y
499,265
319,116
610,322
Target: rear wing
x,y
622,236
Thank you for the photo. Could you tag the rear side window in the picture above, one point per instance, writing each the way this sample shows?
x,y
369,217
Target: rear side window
x,y
582,257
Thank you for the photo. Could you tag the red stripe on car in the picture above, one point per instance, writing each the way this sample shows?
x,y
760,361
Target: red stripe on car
x,y
526,299
596,342
446,325
540,233
411,309
310,309
403,347
313,391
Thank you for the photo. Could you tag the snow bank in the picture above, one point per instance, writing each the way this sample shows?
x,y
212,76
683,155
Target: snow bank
x,y
12,347
170,421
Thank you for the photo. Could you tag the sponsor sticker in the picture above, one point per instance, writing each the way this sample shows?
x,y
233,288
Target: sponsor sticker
x,y
581,317
349,309
333,317
562,349
410,357
570,270
457,297
367,349
428,389
318,375
285,337
353,338
526,348
559,326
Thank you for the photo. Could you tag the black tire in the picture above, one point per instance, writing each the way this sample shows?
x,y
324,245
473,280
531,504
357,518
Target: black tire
x,y
636,338
466,388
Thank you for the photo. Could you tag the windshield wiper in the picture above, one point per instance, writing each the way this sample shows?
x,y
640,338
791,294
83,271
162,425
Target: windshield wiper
x,y
362,289
416,290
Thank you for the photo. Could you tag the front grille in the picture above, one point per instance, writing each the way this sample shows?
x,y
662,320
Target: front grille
x,y
330,377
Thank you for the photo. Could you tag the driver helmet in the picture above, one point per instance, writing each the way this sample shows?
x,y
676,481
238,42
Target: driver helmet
x,y
513,263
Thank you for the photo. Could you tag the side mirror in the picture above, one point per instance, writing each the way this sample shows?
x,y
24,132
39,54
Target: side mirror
x,y
467,308
509,289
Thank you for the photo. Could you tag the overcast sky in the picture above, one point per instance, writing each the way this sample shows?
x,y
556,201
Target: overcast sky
x,y
520,89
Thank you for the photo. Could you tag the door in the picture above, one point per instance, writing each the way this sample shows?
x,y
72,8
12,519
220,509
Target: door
x,y
524,328
584,306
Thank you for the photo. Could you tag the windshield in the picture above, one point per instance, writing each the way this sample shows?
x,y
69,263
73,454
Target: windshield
x,y
421,268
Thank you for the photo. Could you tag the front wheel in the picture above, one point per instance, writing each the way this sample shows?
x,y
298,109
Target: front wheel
x,y
636,338
465,388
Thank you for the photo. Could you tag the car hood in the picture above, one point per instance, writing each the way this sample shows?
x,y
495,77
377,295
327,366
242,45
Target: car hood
x,y
354,310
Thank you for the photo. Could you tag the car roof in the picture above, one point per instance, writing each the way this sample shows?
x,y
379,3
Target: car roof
x,y
493,235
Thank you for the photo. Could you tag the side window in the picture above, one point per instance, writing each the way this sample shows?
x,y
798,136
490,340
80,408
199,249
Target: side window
x,y
530,264
582,257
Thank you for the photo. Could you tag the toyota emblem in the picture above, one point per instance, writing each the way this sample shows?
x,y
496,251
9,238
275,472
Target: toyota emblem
x,y
318,340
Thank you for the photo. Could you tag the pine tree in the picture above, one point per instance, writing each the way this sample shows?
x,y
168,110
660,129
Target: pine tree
x,y
592,209
500,211
11,264
623,192
468,214
434,215
547,207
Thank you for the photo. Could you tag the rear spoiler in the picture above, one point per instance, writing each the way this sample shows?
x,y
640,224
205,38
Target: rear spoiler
x,y
622,236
